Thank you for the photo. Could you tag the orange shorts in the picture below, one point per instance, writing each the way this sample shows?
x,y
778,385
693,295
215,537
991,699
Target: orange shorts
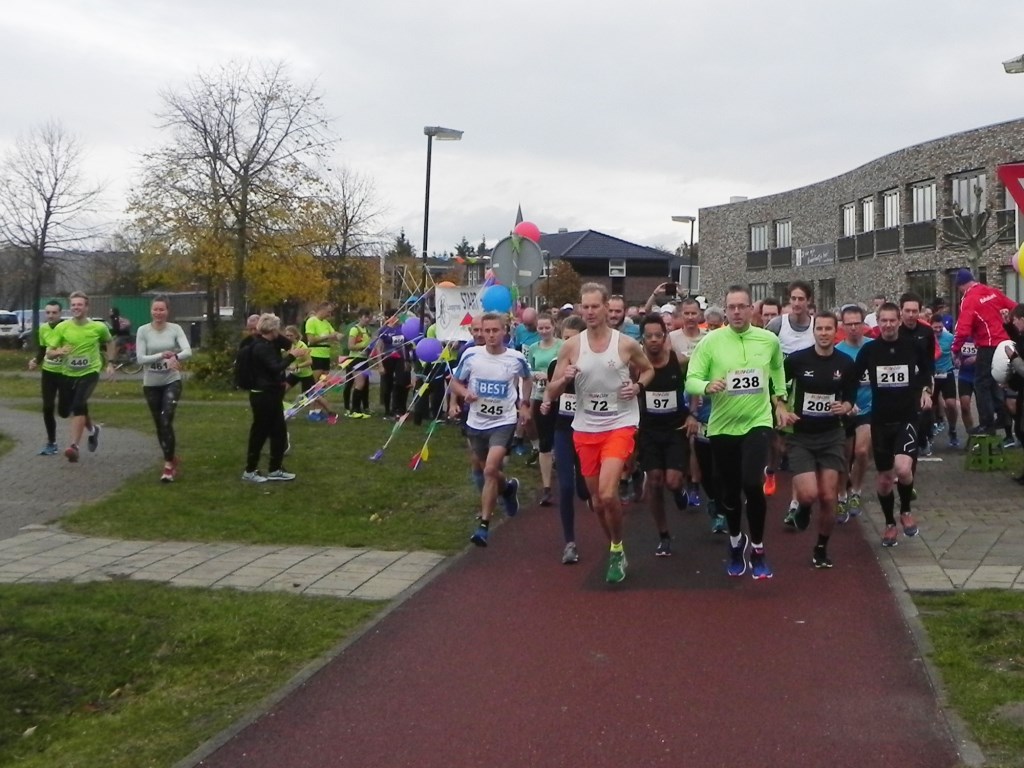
x,y
595,447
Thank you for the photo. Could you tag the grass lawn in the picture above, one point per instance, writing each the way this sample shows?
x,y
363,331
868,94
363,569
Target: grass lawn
x,y
124,675
978,640
17,385
5,443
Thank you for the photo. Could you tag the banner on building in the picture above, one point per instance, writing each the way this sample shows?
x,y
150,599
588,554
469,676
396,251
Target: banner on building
x,y
455,309
816,255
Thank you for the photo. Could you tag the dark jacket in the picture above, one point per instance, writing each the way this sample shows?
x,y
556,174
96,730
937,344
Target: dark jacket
x,y
266,363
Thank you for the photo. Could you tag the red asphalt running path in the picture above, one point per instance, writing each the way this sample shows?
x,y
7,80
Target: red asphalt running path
x,y
509,658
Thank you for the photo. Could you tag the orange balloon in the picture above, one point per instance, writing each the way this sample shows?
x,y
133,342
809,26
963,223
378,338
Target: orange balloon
x,y
446,284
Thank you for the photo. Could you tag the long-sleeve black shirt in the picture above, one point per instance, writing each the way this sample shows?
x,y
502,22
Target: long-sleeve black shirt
x,y
898,371
818,381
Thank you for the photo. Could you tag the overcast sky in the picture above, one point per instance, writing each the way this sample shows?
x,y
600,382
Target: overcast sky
x,y
591,114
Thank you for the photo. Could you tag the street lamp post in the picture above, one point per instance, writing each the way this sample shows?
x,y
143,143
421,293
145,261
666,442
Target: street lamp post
x,y
441,134
689,251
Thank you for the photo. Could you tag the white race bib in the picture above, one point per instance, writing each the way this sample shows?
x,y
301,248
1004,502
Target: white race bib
x,y
601,402
489,408
661,402
817,405
159,366
892,376
78,363
969,349
941,376
567,404
745,381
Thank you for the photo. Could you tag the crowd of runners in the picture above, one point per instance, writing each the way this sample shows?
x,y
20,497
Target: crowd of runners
x,y
616,404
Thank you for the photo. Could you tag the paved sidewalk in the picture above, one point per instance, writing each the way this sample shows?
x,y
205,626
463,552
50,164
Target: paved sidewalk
x,y
40,489
972,528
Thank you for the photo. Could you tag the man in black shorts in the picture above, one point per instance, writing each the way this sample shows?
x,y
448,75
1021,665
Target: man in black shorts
x,y
900,387
662,444
823,389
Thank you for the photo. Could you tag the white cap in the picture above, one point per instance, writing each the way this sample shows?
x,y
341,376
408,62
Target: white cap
x,y
568,306
668,309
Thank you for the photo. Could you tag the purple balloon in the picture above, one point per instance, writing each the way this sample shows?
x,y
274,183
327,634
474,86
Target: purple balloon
x,y
412,328
428,350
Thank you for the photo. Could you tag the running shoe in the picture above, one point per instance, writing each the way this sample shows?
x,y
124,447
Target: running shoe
x,y
926,449
681,499
820,558
280,475
940,427
521,449
843,511
253,477
737,565
769,482
759,568
909,526
639,478
664,548
570,554
332,419
789,521
479,536
616,567
719,524
50,449
954,441
889,536
94,439
545,498
802,518
167,476
693,495
1009,442
854,505
71,452
624,495
533,458
510,497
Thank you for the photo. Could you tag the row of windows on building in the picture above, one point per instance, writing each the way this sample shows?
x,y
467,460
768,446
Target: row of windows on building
x,y
966,191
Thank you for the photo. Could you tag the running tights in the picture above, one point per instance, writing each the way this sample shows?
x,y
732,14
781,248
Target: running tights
x,y
53,390
267,422
739,466
163,402
570,482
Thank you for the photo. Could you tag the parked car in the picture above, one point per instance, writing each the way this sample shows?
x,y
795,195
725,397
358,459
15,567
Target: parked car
x,y
10,329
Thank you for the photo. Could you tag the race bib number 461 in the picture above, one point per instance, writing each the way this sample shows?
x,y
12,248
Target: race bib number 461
x,y
745,381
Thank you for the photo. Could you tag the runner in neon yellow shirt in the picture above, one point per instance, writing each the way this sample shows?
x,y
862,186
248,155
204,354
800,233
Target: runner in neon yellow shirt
x,y
740,368
78,341
52,377
357,390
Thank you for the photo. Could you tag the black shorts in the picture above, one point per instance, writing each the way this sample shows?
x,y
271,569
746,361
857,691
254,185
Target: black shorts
x,y
663,449
354,364
887,440
320,364
77,391
966,388
850,423
809,452
306,382
946,387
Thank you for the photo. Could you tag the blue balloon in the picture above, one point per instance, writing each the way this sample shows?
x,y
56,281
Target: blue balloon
x,y
497,298
428,350
412,328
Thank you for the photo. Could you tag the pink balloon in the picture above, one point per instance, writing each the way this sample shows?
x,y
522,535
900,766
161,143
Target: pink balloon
x,y
528,230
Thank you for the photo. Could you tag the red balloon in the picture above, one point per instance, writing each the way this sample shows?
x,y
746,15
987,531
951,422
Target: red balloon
x,y
528,230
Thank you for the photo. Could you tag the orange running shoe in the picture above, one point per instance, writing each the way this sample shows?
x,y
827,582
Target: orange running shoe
x,y
769,482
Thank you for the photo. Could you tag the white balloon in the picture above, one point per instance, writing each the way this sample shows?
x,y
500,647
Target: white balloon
x,y
1001,363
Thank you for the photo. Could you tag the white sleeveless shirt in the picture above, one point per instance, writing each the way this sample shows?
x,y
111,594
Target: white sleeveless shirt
x,y
599,377
791,340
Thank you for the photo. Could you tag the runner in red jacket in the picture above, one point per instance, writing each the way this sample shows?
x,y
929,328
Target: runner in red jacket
x,y
981,317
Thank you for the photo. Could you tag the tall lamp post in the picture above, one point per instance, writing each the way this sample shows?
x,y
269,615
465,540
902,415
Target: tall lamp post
x,y
689,251
441,134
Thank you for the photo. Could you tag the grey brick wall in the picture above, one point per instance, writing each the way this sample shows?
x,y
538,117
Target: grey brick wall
x,y
816,215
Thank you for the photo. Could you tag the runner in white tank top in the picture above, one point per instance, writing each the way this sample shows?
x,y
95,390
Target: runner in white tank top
x,y
600,361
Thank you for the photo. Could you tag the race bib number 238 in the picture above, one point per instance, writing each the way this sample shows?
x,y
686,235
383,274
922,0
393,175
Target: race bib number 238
x,y
745,381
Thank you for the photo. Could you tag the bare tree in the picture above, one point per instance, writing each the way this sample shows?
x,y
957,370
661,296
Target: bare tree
x,y
44,202
968,230
245,138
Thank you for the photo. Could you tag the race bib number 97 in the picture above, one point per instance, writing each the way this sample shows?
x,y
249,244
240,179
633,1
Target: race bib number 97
x,y
745,381
892,376
661,402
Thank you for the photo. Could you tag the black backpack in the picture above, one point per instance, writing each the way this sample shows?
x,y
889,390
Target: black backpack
x,y
243,377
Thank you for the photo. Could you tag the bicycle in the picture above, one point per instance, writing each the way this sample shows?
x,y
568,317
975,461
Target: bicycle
x,y
125,361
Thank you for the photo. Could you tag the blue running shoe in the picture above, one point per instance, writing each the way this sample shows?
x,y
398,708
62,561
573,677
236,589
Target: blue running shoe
x,y
854,505
693,495
50,449
681,498
759,567
738,556
510,497
479,536
719,524
954,441
843,511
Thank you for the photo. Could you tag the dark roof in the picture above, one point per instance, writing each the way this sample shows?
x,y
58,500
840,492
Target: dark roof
x,y
589,244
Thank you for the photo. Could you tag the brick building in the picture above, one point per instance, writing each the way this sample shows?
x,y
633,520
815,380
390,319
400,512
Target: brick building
x,y
875,229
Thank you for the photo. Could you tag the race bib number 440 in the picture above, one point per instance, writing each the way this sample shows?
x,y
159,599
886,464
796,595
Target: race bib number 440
x,y
745,381
892,376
